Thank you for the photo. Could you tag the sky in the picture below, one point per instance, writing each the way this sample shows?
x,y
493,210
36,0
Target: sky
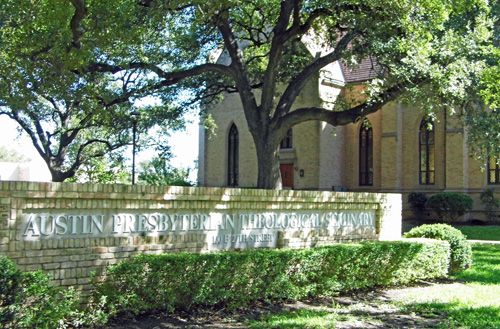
x,y
184,146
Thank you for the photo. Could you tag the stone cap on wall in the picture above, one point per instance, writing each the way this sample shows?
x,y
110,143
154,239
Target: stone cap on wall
x,y
157,193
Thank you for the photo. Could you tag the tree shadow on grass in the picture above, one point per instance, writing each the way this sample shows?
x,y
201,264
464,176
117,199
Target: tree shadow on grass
x,y
486,266
373,310
361,313
456,315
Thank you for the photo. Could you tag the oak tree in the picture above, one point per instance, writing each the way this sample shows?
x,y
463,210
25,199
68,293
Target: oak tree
x,y
51,84
431,52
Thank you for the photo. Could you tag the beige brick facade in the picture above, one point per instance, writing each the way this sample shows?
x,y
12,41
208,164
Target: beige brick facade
x,y
329,156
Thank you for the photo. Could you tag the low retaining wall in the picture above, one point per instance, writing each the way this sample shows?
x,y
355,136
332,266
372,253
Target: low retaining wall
x,y
72,230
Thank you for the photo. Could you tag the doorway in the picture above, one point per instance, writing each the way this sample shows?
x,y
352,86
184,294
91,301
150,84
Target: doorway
x,y
286,170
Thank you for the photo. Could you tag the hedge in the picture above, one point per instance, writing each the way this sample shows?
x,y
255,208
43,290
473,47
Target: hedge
x,y
239,278
461,251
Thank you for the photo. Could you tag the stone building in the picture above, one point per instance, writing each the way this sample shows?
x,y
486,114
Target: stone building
x,y
395,149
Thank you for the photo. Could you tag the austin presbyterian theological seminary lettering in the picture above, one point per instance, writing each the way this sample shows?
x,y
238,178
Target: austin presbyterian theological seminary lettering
x,y
236,227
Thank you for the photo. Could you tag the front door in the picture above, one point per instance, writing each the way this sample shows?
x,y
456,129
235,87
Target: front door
x,y
286,171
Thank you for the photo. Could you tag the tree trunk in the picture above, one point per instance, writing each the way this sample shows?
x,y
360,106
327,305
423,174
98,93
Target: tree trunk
x,y
58,176
57,172
268,166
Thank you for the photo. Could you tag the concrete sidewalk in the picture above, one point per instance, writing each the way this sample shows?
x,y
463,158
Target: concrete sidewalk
x,y
484,241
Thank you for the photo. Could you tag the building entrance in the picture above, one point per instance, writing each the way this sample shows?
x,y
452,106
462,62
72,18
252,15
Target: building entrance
x,y
286,171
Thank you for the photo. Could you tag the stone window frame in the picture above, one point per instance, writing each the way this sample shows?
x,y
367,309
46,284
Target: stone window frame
x,y
365,169
287,142
233,142
493,172
427,152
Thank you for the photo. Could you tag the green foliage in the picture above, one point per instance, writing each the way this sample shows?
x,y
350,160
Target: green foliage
x,y
237,279
53,85
158,171
484,128
68,68
8,155
109,169
417,200
28,300
40,305
489,87
10,278
490,202
450,205
461,253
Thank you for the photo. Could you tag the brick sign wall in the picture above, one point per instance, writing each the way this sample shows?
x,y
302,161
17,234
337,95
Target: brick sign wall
x,y
71,230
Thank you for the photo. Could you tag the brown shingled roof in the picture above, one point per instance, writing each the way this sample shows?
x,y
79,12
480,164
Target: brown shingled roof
x,y
366,70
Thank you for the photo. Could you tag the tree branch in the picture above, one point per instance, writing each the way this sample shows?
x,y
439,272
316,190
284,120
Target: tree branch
x,y
297,28
75,23
240,73
297,84
78,159
275,56
348,116
167,78
32,134
174,75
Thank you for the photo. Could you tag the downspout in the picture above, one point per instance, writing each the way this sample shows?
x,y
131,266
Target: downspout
x,y
445,145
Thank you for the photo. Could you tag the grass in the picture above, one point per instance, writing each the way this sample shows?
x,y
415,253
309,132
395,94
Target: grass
x,y
481,232
475,304
471,302
486,266
460,316
310,319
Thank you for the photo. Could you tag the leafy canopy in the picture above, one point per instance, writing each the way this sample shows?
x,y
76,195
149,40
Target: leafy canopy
x,y
52,85
90,55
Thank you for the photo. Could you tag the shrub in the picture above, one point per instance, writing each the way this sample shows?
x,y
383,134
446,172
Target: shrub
x,y
449,205
461,253
489,202
417,200
10,278
236,279
28,300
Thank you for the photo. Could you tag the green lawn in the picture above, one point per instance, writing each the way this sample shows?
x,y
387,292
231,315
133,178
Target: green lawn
x,y
481,232
471,302
310,319
476,304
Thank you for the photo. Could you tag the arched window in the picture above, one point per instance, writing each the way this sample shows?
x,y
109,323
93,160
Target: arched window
x,y
426,152
287,142
493,171
366,154
232,156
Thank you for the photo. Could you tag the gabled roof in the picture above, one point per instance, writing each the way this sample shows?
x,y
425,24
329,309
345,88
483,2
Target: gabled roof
x,y
366,70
